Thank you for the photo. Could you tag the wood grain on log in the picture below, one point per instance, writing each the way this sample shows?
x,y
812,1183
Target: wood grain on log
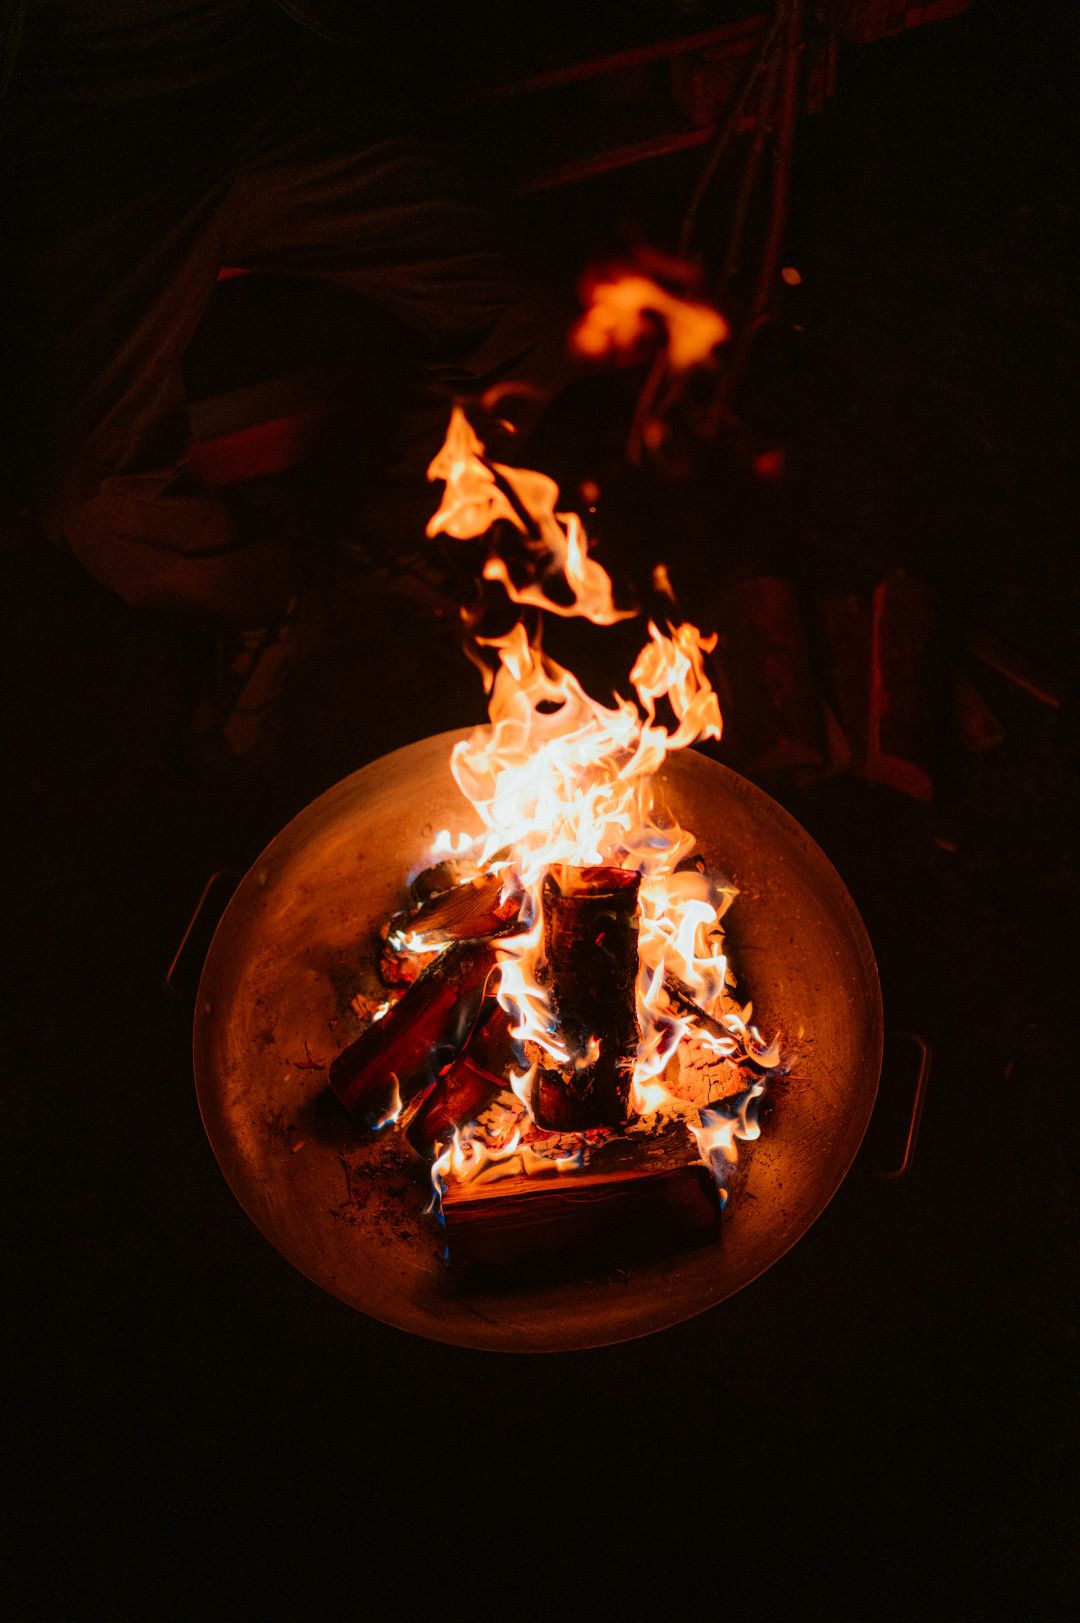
x,y
639,1196
471,912
468,1084
589,969
419,1036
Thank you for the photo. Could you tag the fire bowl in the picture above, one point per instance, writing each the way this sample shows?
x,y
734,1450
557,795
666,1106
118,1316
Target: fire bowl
x,y
347,1209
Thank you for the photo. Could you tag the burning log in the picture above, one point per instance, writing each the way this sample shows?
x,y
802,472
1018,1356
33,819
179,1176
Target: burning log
x,y
442,876
468,912
467,1086
589,969
398,967
474,911
390,1061
638,1196
682,997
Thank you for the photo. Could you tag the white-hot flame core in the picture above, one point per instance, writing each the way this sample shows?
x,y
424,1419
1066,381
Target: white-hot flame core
x,y
559,778
446,845
393,1110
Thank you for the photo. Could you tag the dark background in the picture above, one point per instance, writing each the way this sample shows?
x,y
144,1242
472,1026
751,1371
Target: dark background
x,y
889,1416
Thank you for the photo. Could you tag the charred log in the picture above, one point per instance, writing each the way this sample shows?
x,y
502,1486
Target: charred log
x,y
590,969
447,875
683,999
419,1036
397,966
467,1086
638,1197
475,911
439,878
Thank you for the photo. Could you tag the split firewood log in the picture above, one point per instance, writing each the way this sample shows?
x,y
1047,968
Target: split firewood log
x,y
471,912
638,1196
468,1084
589,970
417,1038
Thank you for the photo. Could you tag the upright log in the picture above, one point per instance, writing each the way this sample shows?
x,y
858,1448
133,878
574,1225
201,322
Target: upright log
x,y
589,970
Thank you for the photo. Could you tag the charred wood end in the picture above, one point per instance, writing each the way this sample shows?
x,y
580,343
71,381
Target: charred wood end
x,y
590,969
471,912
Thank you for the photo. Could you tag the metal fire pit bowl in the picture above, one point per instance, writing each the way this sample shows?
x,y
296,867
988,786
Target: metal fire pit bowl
x,y
347,1209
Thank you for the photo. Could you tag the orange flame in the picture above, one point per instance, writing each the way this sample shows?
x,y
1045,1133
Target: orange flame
x,y
621,318
473,1154
559,778
477,493
390,1114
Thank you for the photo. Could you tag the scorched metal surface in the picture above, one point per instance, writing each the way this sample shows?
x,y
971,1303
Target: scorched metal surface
x,y
296,942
